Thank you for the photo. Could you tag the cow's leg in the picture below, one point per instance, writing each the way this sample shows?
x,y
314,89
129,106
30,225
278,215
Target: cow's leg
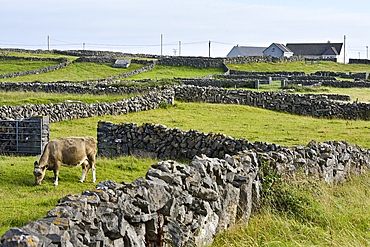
x,y
93,168
56,172
85,171
92,165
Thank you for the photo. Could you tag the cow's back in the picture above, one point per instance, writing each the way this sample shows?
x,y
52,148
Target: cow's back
x,y
72,150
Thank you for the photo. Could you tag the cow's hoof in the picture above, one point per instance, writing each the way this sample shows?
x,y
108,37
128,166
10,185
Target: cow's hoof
x,y
80,182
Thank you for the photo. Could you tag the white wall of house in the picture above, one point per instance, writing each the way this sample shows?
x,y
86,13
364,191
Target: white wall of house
x,y
275,51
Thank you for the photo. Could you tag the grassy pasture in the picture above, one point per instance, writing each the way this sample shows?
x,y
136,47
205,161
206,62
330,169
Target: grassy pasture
x,y
164,71
15,65
237,121
77,72
327,216
301,66
335,216
22,202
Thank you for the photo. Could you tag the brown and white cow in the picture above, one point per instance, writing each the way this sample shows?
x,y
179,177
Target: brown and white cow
x,y
70,152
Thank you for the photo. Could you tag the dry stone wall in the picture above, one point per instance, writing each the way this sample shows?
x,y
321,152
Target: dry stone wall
x,y
68,111
318,106
75,88
37,71
332,161
175,203
178,204
134,72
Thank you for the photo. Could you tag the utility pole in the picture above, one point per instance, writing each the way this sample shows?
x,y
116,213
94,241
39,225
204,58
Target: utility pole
x,y
174,51
344,49
209,49
359,56
83,46
367,52
161,44
179,48
48,43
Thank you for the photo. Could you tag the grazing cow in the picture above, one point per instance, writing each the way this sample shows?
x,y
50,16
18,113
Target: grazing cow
x,y
70,152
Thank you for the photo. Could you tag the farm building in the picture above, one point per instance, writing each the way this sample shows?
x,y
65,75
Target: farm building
x,y
122,63
318,50
277,50
246,51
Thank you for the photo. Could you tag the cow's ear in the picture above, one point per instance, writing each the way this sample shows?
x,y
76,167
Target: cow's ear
x,y
36,163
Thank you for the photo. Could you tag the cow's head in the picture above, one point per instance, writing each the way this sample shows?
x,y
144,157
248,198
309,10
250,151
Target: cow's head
x,y
39,173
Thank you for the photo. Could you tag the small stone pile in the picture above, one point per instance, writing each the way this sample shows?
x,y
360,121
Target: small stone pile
x,y
177,204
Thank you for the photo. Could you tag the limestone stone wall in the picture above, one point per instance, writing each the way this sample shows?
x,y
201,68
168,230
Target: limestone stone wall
x,y
178,204
332,161
68,111
62,64
318,106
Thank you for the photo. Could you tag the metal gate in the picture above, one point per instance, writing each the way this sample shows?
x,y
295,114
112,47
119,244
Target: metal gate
x,y
23,136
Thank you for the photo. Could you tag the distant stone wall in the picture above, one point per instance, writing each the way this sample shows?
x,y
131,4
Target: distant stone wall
x,y
359,61
36,71
301,104
261,59
199,62
68,111
203,62
133,72
74,88
222,83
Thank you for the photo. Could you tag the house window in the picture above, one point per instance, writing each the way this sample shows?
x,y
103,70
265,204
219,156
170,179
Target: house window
x,y
273,49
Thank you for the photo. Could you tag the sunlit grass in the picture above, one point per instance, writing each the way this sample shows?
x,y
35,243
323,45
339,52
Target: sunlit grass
x,y
164,71
22,202
77,72
336,215
237,121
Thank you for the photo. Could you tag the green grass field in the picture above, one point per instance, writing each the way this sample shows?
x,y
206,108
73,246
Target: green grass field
x,y
77,72
237,121
335,215
14,65
164,71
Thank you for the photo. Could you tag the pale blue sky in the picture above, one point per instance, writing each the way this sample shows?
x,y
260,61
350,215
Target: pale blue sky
x,y
136,26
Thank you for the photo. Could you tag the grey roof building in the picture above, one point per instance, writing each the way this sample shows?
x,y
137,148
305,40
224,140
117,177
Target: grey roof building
x,y
122,63
318,50
246,51
278,50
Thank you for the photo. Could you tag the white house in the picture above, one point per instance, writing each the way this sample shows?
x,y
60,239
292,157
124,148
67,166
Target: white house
x,y
245,51
277,50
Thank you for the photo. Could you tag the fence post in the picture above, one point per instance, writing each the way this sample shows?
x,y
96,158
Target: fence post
x,y
282,82
257,84
270,80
